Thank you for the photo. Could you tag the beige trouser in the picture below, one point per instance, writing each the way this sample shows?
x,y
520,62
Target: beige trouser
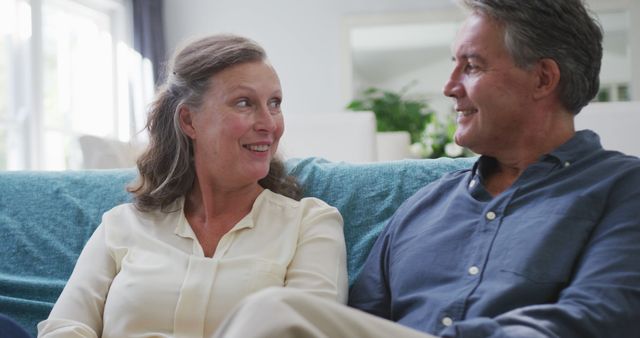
x,y
286,313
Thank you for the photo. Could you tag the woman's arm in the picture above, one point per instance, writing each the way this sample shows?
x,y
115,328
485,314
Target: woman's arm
x,y
319,264
78,310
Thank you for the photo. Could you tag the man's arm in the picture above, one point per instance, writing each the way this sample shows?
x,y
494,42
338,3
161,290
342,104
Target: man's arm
x,y
370,292
603,297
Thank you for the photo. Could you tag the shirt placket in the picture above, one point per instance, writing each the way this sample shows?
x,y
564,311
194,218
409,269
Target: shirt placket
x,y
195,294
488,226
191,309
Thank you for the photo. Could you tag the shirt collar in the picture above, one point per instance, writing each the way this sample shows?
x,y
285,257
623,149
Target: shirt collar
x,y
183,229
579,146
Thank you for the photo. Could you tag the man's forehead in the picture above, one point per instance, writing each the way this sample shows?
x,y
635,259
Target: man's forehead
x,y
475,36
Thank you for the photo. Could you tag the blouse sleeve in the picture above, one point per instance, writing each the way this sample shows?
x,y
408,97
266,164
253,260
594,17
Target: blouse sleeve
x,y
78,310
319,264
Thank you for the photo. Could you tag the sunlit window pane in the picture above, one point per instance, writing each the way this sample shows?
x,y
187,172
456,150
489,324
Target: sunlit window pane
x,y
57,146
7,7
4,77
3,149
78,75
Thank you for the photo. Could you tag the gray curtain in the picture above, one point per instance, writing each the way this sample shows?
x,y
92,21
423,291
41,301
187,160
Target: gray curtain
x,y
148,34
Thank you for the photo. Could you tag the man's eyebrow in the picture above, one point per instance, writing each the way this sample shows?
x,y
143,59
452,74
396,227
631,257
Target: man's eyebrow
x,y
472,56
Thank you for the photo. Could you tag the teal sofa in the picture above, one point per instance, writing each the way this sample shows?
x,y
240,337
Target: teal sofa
x,y
46,218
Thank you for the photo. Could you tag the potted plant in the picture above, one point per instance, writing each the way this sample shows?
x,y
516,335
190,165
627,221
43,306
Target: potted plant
x,y
394,112
437,139
430,135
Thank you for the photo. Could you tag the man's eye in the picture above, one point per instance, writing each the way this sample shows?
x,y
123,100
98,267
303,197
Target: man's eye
x,y
470,68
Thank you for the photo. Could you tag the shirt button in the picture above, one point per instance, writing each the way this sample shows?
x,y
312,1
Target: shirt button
x,y
446,321
473,270
566,164
491,215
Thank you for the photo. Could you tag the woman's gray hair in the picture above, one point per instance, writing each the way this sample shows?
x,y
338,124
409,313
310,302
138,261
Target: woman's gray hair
x,y
166,169
562,30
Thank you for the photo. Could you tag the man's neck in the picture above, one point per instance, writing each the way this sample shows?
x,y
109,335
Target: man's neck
x,y
510,165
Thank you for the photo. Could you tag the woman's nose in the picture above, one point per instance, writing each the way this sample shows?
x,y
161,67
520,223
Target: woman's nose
x,y
264,119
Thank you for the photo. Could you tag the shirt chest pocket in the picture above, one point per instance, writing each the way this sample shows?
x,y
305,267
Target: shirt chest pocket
x,y
263,274
543,249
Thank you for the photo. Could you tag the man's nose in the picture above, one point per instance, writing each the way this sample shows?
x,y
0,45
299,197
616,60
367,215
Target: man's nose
x,y
453,87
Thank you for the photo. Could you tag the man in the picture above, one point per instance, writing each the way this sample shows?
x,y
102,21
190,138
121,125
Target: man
x,y
541,238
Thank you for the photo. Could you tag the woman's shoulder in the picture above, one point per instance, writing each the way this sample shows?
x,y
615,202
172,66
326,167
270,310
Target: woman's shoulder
x,y
304,203
124,211
127,217
308,210
130,209
119,211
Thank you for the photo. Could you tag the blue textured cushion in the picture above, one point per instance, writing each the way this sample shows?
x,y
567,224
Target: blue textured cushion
x,y
47,217
45,220
368,194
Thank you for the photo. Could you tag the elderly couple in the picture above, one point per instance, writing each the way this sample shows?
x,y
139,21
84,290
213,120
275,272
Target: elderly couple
x,y
541,238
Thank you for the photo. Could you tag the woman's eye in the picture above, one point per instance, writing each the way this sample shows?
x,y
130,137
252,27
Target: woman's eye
x,y
242,103
274,104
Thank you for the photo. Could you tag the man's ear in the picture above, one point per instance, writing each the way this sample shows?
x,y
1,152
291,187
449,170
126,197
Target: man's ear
x,y
548,77
185,117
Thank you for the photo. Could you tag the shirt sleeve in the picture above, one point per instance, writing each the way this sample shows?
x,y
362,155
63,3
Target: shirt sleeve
x,y
78,310
370,291
319,262
603,297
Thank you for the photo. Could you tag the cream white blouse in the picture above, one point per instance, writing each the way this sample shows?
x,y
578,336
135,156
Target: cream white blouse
x,y
145,274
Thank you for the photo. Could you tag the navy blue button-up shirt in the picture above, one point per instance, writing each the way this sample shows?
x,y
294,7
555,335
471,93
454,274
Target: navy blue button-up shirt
x,y
557,254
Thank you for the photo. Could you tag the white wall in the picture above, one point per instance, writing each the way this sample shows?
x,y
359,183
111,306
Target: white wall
x,y
303,38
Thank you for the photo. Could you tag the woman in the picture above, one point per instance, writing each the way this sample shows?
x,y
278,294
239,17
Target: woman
x,y
214,217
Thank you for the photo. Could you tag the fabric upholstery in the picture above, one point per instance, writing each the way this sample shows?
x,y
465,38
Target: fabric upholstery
x,y
46,217
368,194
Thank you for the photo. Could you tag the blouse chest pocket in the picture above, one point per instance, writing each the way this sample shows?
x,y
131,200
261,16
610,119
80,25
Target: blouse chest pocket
x,y
263,274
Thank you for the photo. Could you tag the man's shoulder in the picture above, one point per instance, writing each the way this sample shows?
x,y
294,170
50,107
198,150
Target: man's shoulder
x,y
447,183
444,187
614,163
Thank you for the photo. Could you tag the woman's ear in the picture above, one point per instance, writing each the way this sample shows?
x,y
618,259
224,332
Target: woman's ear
x,y
185,117
548,77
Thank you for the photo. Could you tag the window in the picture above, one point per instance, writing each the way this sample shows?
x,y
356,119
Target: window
x,y
65,71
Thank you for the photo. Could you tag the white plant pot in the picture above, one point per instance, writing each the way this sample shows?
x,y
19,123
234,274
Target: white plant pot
x,y
393,145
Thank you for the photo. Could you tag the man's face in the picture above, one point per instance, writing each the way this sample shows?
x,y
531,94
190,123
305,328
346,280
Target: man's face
x,y
492,95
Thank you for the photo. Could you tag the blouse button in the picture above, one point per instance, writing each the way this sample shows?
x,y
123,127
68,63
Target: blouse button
x,y
447,321
473,270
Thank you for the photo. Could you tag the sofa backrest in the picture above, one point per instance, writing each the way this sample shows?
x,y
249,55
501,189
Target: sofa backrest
x,y
368,194
47,217
45,220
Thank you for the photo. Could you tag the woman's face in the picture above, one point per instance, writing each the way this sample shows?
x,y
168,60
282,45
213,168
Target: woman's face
x,y
235,132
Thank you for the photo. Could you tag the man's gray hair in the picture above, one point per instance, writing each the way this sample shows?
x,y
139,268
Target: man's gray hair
x,y
562,30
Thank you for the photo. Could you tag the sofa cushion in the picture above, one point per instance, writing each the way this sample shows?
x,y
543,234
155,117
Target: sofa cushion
x,y
368,194
47,217
45,220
